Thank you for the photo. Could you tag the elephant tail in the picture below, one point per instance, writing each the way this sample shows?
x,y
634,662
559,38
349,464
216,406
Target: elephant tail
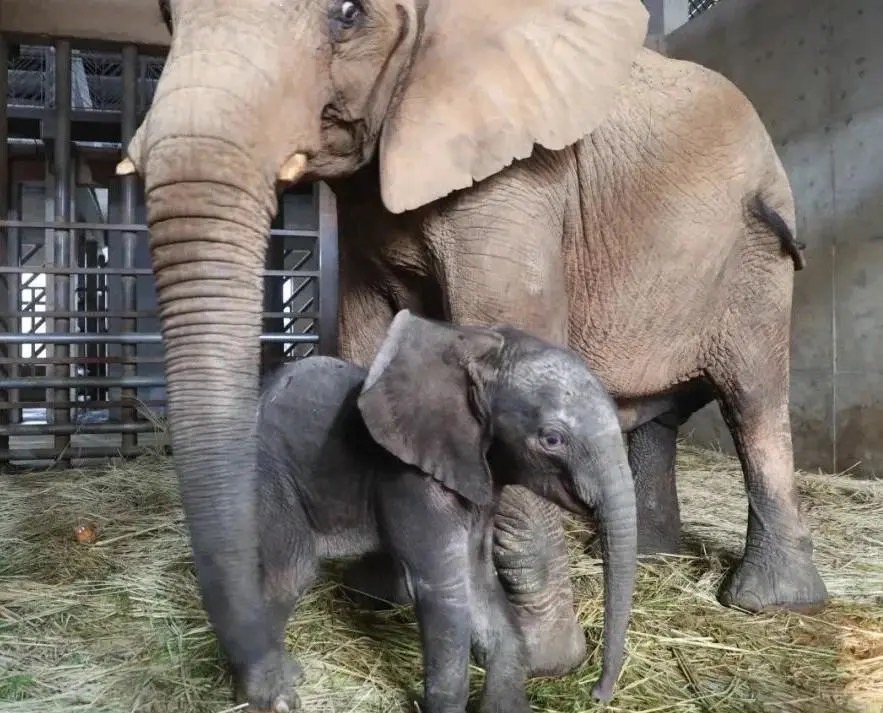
x,y
775,222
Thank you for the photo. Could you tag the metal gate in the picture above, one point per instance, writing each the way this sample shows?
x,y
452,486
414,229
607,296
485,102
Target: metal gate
x,y
81,360
697,7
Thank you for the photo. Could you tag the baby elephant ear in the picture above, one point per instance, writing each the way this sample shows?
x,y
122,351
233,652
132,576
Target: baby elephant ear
x,y
416,400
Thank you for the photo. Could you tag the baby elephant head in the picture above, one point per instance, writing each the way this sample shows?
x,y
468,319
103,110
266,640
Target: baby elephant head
x,y
479,408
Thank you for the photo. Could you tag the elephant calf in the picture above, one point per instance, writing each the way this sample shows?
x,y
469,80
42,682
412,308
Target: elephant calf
x,y
410,459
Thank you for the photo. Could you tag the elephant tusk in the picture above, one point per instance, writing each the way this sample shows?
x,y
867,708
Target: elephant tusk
x,y
293,168
125,167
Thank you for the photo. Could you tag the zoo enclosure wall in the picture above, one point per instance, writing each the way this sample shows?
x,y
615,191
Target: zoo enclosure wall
x,y
81,358
814,72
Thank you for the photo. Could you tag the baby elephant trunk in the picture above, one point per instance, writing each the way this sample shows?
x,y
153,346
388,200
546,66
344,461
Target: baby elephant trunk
x,y
617,518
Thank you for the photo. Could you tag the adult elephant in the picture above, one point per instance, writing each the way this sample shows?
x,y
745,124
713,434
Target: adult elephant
x,y
646,221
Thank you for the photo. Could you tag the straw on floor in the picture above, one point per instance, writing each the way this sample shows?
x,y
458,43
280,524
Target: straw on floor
x,y
115,626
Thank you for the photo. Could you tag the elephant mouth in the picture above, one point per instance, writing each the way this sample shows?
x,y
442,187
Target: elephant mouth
x,y
343,138
566,496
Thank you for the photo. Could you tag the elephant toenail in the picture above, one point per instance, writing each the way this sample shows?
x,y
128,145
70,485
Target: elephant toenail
x,y
281,706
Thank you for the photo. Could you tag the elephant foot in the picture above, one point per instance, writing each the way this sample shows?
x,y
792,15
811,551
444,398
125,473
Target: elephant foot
x,y
513,701
376,582
783,581
268,685
531,559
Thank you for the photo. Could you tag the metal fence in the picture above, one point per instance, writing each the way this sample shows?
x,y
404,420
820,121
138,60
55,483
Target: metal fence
x,y
81,359
698,6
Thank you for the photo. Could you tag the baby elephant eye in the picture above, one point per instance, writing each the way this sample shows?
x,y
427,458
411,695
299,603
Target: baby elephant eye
x,y
349,11
550,438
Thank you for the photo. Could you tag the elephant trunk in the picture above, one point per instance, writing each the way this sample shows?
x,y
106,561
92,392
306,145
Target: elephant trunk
x,y
617,518
208,243
219,139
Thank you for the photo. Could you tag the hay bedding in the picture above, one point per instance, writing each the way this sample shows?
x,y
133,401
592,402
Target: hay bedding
x,y
116,625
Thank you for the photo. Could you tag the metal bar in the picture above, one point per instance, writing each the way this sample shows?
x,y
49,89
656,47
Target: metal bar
x,y
5,283
129,237
49,270
21,147
73,453
62,254
328,257
69,225
121,227
27,257
146,271
300,263
78,361
295,292
91,405
94,116
49,429
68,382
73,314
84,361
74,338
137,314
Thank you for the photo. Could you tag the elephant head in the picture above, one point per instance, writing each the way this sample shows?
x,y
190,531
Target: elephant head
x,y
480,408
256,94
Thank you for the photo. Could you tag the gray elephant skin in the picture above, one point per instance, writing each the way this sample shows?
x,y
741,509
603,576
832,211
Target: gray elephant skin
x,y
411,458
525,163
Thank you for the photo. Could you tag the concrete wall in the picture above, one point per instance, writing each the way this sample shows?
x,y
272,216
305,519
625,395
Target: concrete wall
x,y
814,70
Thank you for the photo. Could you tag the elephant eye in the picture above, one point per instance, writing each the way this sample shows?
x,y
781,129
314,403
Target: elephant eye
x,y
551,438
346,13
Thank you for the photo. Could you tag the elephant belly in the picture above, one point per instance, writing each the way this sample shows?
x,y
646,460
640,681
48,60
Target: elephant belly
x,y
659,242
644,319
630,369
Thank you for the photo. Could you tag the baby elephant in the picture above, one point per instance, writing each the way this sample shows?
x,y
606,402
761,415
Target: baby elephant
x,y
410,459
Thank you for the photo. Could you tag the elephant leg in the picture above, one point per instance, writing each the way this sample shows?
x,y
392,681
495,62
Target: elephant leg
x,y
286,575
376,581
776,571
497,642
652,450
532,562
285,583
435,554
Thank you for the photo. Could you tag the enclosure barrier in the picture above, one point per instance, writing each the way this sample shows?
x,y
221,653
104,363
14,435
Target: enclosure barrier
x,y
696,7
81,359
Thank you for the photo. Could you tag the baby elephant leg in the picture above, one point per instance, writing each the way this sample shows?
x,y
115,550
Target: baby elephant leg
x,y
376,581
438,567
497,642
287,571
531,559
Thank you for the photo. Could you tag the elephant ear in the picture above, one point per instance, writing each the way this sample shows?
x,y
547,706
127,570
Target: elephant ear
x,y
422,400
492,78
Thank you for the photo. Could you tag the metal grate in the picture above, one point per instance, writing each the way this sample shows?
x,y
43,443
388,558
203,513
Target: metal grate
x,y
83,372
700,6
81,359
29,77
97,82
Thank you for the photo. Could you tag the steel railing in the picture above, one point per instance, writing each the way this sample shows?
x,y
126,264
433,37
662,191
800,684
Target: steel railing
x,y
81,363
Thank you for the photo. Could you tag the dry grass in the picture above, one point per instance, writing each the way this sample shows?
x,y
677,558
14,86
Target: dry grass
x,y
116,626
